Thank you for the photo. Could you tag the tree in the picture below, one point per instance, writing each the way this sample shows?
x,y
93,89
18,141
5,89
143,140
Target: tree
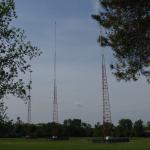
x,y
138,128
127,32
5,123
125,127
15,53
148,124
3,114
76,128
98,130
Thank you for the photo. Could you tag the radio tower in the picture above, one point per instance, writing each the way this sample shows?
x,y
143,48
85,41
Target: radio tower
x,y
55,105
29,100
106,103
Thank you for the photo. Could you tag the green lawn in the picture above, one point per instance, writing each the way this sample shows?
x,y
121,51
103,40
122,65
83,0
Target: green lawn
x,y
72,144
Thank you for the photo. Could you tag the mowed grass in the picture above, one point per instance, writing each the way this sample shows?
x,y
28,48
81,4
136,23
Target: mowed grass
x,y
72,144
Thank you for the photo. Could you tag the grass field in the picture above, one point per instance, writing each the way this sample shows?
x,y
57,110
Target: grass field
x,y
72,144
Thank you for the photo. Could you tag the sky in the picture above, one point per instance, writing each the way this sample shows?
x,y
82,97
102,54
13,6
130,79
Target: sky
x,y
78,66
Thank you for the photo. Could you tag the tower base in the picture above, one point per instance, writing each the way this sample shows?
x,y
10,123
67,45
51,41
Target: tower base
x,y
110,139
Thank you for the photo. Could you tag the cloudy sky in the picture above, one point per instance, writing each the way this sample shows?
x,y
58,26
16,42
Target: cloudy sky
x,y
78,66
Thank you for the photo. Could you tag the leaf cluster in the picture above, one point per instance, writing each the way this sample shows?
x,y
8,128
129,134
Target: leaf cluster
x,y
15,52
127,26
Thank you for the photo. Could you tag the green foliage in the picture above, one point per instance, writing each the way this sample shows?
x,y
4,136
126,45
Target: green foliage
x,y
3,115
76,128
127,32
148,125
98,130
138,128
70,128
125,127
15,52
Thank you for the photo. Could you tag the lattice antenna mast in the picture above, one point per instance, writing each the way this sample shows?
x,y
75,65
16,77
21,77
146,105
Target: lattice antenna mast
x,y
55,104
106,103
29,99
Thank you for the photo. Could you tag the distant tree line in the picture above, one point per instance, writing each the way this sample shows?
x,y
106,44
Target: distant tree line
x,y
71,128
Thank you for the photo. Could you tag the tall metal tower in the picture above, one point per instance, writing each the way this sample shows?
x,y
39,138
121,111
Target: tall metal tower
x,y
106,103
55,104
29,100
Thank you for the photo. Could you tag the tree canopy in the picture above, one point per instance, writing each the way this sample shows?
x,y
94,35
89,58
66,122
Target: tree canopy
x,y
3,114
127,32
15,52
70,128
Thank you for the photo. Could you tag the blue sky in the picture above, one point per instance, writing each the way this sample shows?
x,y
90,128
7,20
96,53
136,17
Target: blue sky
x,y
78,66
